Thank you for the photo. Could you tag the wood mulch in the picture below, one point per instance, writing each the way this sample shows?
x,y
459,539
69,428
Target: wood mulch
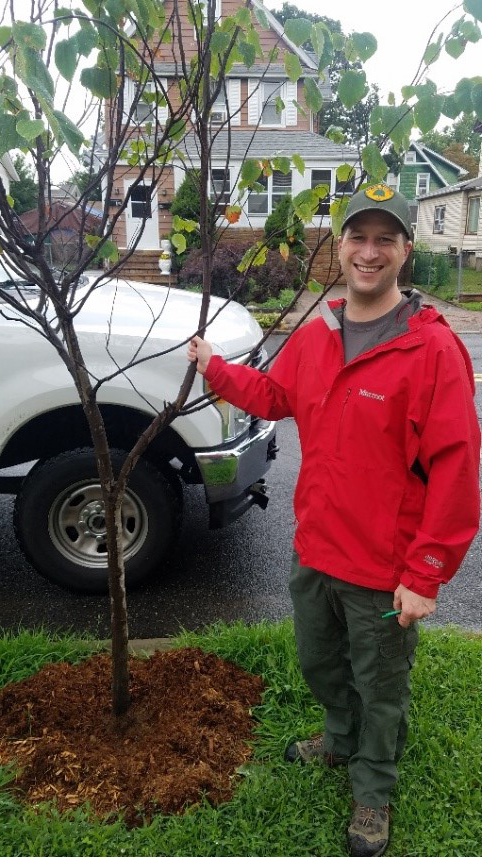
x,y
186,732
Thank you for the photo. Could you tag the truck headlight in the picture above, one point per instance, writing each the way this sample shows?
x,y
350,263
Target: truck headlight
x,y
234,420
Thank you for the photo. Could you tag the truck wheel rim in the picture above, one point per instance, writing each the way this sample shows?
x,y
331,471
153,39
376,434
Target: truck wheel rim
x,y
77,525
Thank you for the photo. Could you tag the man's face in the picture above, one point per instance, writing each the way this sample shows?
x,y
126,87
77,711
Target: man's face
x,y
372,249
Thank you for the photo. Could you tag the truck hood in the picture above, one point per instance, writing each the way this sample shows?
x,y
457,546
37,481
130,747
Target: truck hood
x,y
127,308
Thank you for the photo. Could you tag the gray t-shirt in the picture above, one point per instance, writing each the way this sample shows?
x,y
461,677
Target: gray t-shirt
x,y
360,336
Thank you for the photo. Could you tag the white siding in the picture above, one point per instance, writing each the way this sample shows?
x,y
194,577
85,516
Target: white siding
x,y
290,95
453,226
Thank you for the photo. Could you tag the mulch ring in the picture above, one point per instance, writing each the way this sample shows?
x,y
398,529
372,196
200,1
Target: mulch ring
x,y
185,734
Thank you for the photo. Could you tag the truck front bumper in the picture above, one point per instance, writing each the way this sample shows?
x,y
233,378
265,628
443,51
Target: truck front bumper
x,y
233,476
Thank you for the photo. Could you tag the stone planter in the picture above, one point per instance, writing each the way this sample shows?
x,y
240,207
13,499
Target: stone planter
x,y
165,257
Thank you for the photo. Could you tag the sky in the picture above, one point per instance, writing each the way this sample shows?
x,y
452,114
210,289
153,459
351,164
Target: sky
x,y
402,30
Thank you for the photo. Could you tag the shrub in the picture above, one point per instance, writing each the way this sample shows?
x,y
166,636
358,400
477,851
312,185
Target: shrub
x,y
422,263
187,204
259,284
277,224
431,269
441,273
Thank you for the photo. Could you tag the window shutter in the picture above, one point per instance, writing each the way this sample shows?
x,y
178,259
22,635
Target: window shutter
x,y
253,101
128,96
290,95
163,113
234,101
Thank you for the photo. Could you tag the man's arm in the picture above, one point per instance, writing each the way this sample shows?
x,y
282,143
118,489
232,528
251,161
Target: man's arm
x,y
449,452
263,394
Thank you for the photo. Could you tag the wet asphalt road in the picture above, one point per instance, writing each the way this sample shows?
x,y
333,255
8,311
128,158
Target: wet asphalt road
x,y
238,572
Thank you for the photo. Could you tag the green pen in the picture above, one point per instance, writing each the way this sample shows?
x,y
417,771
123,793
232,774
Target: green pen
x,y
391,613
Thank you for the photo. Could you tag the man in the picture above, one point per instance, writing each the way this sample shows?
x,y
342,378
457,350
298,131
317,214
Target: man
x,y
387,500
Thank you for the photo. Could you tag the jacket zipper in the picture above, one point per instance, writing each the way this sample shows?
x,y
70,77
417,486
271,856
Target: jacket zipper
x,y
343,406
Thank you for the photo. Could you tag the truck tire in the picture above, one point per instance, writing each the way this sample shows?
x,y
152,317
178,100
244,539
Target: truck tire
x,y
59,523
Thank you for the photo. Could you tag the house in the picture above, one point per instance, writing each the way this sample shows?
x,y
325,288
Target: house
x,y
450,221
8,173
66,224
423,172
245,123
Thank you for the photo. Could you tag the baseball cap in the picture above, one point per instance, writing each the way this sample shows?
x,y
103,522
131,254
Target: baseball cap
x,y
380,197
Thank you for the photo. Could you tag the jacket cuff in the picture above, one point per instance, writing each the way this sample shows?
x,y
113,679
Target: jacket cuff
x,y
425,588
210,372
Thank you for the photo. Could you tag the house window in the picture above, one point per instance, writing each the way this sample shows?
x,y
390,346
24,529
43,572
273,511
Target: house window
x,y
423,184
258,202
219,110
439,219
204,7
141,202
281,185
270,89
473,211
410,157
346,188
322,177
144,111
221,188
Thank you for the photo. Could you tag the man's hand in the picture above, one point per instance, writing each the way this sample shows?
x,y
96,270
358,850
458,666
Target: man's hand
x,y
200,350
413,606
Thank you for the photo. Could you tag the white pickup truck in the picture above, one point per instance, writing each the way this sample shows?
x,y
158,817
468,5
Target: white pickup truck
x,y
58,515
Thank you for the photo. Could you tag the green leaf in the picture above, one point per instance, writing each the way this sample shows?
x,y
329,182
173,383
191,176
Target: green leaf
x,y
108,251
5,35
299,164
248,53
101,82
243,17
298,30
345,172
10,200
426,113
313,96
92,241
432,53
395,122
463,95
86,40
455,47
63,12
70,132
474,7
279,104
350,51
305,205
9,137
179,242
477,99
321,190
314,286
29,36
373,162
293,67
470,31
449,107
335,133
337,212
255,255
338,41
66,57
252,36
179,224
35,74
30,128
250,172
283,165
261,17
219,42
365,45
408,92
317,37
325,57
352,87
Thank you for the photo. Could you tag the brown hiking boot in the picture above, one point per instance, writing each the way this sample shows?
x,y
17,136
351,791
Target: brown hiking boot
x,y
368,831
311,749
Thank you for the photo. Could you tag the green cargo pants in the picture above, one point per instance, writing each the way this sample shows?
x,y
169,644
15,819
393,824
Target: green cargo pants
x,y
358,666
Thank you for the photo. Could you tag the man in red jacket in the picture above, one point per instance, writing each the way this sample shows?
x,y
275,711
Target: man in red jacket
x,y
387,500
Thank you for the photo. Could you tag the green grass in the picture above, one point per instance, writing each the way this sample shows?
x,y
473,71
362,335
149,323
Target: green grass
x,y
471,282
280,810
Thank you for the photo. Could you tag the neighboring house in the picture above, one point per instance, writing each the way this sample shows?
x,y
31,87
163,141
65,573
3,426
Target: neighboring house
x,y
450,220
65,224
8,173
257,130
423,172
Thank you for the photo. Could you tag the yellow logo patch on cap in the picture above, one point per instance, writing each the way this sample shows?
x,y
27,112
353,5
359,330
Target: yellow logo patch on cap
x,y
379,193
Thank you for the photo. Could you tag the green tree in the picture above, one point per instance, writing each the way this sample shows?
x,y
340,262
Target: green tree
x,y
88,183
24,192
354,122
459,142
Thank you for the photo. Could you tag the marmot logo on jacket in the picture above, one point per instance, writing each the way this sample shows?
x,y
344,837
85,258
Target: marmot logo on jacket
x,y
369,395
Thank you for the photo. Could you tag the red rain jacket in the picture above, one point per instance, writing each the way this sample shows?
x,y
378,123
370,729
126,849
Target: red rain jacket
x,y
362,514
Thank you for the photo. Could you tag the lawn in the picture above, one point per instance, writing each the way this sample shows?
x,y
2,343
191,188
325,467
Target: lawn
x,y
471,282
281,810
